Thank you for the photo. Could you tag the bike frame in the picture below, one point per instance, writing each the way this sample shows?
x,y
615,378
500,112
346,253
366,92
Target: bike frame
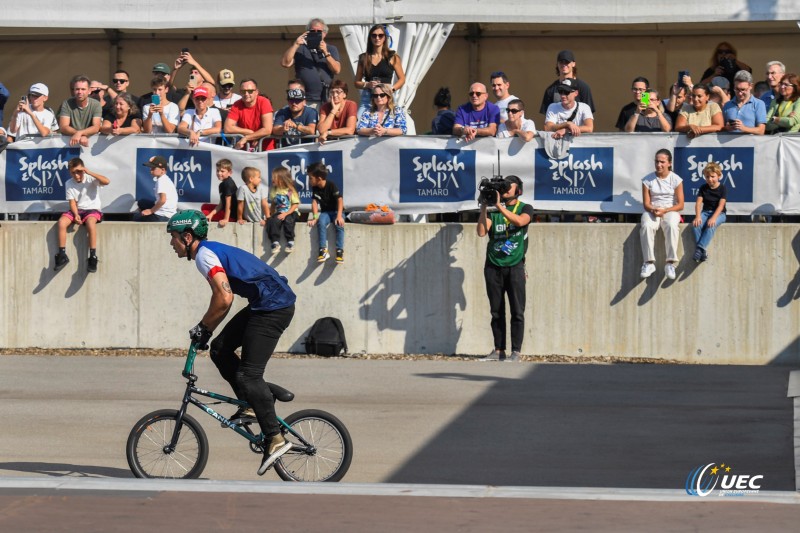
x,y
243,430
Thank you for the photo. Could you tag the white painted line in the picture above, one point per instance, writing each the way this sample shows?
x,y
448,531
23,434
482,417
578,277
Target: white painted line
x,y
386,489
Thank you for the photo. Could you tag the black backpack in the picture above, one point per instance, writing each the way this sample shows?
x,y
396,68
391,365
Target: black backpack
x,y
326,337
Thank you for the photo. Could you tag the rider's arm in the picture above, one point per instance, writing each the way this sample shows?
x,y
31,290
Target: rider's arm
x,y
221,300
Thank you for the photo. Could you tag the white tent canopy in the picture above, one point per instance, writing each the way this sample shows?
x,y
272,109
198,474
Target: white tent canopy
x,y
155,15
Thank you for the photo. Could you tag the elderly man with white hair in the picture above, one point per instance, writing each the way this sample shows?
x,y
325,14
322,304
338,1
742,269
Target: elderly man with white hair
x,y
775,72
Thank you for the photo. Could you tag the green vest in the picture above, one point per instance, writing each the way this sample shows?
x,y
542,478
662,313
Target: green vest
x,y
501,232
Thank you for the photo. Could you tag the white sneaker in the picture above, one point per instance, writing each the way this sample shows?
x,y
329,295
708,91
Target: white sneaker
x,y
669,270
647,270
277,447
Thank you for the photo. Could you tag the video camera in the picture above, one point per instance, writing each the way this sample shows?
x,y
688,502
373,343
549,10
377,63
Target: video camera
x,y
491,187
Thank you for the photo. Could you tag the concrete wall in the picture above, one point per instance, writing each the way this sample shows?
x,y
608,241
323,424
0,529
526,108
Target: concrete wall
x,y
419,288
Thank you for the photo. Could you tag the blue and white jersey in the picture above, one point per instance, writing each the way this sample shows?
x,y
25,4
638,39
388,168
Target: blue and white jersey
x,y
250,278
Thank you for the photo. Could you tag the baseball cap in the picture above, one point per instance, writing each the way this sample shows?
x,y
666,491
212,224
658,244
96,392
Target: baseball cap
x,y
226,77
566,55
722,83
295,94
156,162
161,67
39,88
568,84
200,91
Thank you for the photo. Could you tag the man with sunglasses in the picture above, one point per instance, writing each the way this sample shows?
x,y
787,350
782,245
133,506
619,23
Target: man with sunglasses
x,y
296,119
251,117
120,82
566,69
225,98
315,61
31,117
568,116
478,117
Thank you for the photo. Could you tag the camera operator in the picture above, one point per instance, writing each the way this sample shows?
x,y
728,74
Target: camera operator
x,y
724,63
504,270
315,62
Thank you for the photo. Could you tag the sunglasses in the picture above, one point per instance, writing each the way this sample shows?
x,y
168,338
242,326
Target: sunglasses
x,y
117,80
564,91
295,100
513,111
95,91
724,51
378,35
475,93
375,96
227,86
249,91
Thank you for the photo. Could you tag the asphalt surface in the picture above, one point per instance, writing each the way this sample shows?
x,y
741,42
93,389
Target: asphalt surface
x,y
555,428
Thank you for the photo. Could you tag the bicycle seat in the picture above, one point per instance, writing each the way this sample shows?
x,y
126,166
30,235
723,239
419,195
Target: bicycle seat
x,y
281,394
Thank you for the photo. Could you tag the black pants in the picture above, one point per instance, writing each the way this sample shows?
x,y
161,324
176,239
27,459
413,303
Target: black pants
x,y
257,332
274,226
499,282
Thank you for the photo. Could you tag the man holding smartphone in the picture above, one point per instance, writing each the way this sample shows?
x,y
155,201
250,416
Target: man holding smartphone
x,y
744,113
30,116
315,61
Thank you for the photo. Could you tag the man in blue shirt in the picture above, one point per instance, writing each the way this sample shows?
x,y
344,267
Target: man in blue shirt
x,y
256,328
478,117
295,120
744,113
775,72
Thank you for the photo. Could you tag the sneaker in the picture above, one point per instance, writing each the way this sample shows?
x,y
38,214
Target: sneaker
x,y
276,247
91,265
647,270
323,255
494,355
705,256
289,247
339,256
243,415
669,270
277,447
698,255
514,357
61,260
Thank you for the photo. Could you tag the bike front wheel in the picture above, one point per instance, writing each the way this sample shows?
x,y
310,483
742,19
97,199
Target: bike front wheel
x,y
148,447
332,453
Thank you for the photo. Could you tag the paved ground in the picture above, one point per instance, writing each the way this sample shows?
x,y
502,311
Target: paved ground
x,y
418,422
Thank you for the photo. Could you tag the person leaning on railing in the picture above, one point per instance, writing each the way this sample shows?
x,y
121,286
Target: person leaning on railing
x,y
385,119
701,116
124,119
784,111
337,117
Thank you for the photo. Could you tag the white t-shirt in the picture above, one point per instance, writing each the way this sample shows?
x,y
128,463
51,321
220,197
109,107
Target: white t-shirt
x,y
86,193
527,125
25,125
662,191
164,184
226,103
252,210
171,111
197,124
558,115
503,104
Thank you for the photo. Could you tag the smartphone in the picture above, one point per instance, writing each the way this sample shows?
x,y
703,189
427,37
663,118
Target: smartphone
x,y
681,74
313,39
646,98
184,50
24,99
193,78
155,99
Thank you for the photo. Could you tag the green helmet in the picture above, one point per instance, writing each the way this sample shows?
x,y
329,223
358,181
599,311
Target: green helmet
x,y
192,221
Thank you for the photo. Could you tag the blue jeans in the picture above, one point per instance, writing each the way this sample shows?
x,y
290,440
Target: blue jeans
x,y
703,233
325,218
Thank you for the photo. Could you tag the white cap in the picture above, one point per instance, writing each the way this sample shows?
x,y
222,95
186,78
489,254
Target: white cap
x,y
39,88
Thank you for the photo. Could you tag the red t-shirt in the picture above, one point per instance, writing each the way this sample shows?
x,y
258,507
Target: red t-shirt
x,y
350,110
250,117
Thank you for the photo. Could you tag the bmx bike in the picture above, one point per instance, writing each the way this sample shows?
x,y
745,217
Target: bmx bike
x,y
169,443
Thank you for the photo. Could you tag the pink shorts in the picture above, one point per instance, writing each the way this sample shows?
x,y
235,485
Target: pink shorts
x,y
85,213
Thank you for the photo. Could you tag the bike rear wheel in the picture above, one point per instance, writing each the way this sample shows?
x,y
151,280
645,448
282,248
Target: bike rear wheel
x,y
149,438
332,443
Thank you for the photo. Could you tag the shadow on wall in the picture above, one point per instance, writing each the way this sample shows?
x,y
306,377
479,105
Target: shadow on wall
x,y
621,426
437,329
793,289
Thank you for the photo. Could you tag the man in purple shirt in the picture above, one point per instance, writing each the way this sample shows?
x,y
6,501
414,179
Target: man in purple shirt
x,y
478,117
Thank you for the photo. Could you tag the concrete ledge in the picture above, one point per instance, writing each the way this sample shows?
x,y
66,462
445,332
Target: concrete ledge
x,y
419,288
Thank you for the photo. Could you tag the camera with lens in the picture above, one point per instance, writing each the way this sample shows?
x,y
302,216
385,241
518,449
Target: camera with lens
x,y
491,189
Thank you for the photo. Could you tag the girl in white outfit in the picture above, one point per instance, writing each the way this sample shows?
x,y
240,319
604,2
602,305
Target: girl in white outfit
x,y
662,195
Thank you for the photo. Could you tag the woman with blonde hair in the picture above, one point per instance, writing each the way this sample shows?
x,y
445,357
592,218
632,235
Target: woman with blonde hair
x,y
384,118
709,210
284,203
